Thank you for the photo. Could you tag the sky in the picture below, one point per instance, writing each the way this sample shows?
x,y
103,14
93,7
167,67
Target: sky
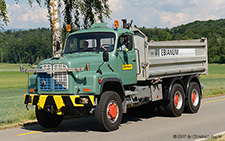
x,y
148,13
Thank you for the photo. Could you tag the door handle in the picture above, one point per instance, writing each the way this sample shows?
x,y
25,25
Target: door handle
x,y
134,60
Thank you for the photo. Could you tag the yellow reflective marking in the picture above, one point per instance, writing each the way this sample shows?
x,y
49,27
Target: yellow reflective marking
x,y
42,100
214,100
92,98
127,66
59,113
59,102
24,97
72,98
32,100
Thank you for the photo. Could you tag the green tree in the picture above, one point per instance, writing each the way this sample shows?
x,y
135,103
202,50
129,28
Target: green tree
x,y
3,13
90,10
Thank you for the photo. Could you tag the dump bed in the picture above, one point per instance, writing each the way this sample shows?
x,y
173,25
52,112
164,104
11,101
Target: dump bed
x,y
170,58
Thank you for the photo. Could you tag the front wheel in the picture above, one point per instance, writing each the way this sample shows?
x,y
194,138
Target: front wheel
x,y
108,112
46,119
175,106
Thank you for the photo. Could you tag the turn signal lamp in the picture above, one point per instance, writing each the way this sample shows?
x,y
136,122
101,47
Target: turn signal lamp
x,y
116,23
86,90
68,28
31,90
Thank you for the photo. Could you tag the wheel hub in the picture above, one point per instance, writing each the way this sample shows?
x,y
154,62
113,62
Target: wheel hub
x,y
176,100
193,97
112,113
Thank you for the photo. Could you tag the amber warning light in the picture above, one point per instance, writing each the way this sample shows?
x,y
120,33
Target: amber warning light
x,y
68,28
116,23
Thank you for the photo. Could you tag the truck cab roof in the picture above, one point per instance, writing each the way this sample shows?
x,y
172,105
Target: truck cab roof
x,y
102,27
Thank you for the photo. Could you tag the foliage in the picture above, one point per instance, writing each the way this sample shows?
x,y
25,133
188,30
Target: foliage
x,y
3,13
89,11
18,46
214,31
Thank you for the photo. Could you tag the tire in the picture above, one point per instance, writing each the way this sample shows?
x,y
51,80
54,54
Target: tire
x,y
46,119
193,100
175,106
108,112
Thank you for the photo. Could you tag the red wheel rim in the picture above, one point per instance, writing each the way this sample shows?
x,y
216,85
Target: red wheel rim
x,y
113,111
176,100
193,97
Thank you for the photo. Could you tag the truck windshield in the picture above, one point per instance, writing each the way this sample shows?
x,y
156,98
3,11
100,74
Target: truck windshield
x,y
99,41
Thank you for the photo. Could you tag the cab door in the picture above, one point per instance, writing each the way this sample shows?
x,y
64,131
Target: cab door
x,y
126,59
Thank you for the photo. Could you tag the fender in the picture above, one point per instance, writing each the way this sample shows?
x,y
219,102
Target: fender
x,y
113,80
118,88
187,82
169,83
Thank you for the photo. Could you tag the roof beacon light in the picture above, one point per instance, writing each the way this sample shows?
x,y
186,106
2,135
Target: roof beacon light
x,y
116,24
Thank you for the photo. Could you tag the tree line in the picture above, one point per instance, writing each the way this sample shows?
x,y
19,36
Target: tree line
x,y
18,46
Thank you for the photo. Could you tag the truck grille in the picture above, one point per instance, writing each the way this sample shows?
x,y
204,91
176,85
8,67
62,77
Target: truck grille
x,y
45,80
59,81
60,78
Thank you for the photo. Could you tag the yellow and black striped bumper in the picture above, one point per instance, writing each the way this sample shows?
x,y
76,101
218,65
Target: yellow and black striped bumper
x,y
59,101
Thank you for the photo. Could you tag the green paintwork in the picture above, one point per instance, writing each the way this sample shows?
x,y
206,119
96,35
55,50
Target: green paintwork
x,y
89,79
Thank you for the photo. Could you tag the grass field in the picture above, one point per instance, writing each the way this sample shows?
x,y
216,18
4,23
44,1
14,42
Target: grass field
x,y
214,82
13,85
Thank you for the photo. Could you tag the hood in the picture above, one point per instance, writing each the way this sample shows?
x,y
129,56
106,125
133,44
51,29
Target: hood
x,y
77,60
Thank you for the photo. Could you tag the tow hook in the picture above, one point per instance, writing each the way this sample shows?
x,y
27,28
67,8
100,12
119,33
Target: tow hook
x,y
27,107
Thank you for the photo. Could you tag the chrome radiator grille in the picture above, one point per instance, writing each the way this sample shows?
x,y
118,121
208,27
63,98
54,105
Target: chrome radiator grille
x,y
59,80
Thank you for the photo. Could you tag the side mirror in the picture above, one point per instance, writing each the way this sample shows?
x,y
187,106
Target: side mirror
x,y
31,61
105,56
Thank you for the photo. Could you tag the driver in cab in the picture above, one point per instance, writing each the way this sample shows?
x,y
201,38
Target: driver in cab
x,y
85,45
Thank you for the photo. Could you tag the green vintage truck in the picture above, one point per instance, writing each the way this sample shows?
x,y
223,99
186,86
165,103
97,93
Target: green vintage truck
x,y
104,71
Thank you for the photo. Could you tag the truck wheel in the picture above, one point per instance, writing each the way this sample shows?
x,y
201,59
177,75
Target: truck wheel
x,y
46,119
108,112
193,101
175,105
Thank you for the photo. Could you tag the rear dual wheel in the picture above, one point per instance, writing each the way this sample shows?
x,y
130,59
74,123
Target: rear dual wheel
x,y
175,106
193,100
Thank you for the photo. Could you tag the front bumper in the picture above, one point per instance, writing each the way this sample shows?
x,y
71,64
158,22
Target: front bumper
x,y
59,101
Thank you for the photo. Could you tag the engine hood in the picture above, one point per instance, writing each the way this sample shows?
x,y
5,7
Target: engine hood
x,y
77,60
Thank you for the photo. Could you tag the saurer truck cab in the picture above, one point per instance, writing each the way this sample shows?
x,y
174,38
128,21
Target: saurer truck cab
x,y
104,71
